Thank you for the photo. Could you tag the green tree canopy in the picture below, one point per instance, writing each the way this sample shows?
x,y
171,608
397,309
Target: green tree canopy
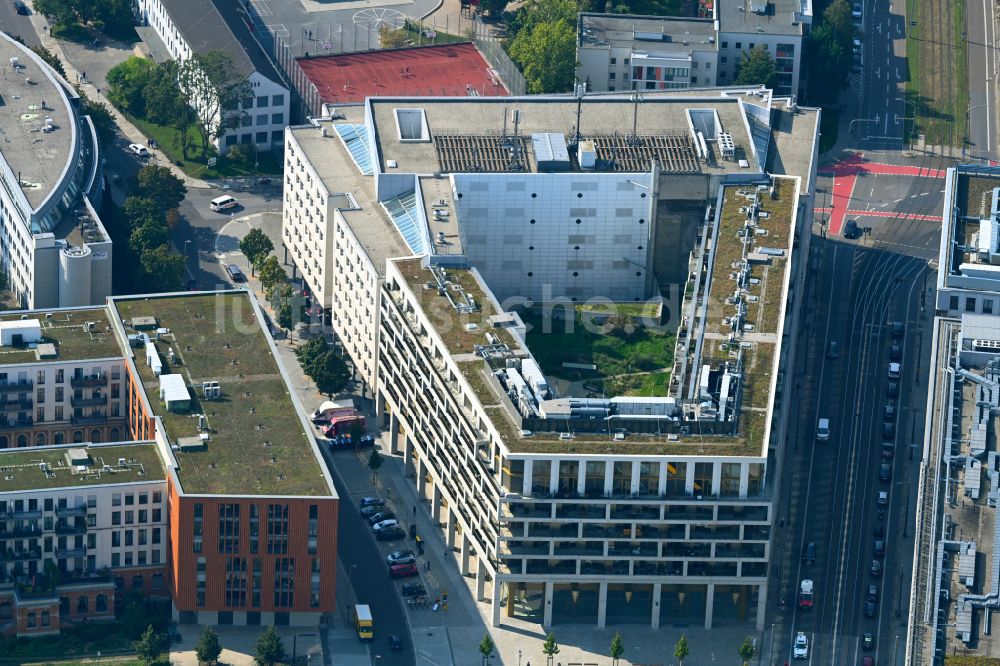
x,y
255,245
164,269
681,649
127,84
756,67
546,52
550,648
486,645
213,80
310,351
159,184
330,373
150,645
149,236
375,461
269,650
208,648
829,52
746,650
271,272
138,210
164,101
617,648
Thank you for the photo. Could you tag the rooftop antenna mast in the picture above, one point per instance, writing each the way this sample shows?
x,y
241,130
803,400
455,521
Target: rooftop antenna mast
x,y
633,139
580,89
516,161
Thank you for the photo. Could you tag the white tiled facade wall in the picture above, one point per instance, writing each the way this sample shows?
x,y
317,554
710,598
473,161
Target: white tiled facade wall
x,y
305,223
545,236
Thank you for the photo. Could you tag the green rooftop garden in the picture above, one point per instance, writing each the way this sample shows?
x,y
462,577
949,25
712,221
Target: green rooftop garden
x,y
20,468
68,330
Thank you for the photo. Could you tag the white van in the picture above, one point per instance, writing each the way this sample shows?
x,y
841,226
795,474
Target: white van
x,y
823,430
222,203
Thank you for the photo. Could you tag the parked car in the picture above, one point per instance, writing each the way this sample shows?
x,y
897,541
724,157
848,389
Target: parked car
x,y
888,450
883,497
389,522
809,556
867,641
390,534
879,548
888,430
831,349
369,511
894,370
867,661
400,557
889,411
852,230
876,568
884,472
897,329
800,649
856,10
395,642
403,571
871,608
414,590
20,8
371,501
138,149
235,274
871,594
381,517
895,352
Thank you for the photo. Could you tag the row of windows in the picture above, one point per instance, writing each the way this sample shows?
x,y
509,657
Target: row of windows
x,y
277,136
41,439
230,519
236,582
133,498
970,304
141,536
139,558
261,101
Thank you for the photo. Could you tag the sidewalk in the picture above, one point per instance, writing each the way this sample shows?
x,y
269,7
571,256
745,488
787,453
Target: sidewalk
x,y
94,92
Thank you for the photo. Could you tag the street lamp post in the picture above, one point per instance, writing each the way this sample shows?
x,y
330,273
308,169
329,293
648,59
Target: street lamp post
x,y
968,115
850,128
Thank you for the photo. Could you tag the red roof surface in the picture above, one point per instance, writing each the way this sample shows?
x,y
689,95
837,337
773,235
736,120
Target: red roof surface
x,y
445,70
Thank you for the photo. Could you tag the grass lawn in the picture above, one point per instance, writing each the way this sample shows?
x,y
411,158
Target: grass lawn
x,y
113,661
646,351
829,125
937,82
634,309
195,164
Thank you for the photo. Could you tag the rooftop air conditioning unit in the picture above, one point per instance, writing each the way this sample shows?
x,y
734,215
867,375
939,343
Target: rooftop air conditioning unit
x,y
121,462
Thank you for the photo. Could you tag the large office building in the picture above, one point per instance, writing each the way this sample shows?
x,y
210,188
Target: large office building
x,y
627,52
179,29
53,248
153,445
430,228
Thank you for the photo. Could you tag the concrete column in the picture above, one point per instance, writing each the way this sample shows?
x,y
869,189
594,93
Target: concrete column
x,y
634,483
709,602
581,480
657,591
662,485
761,605
393,434
451,528
379,408
526,481
689,478
481,581
407,455
466,547
609,476
496,604
744,479
547,615
716,478
420,477
436,503
554,476
602,605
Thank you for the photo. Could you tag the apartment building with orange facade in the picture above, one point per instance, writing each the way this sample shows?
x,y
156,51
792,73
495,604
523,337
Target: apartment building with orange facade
x,y
182,466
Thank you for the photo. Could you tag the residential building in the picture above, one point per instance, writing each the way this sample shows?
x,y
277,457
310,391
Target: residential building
x,y
179,465
627,52
187,27
53,248
968,278
420,224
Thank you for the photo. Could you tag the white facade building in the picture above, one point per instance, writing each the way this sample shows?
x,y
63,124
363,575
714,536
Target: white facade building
x,y
187,27
625,52
405,217
53,247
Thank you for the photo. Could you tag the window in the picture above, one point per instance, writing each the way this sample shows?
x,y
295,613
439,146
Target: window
x,y
129,499
255,583
230,139
261,101
91,501
314,585
116,499
229,528
284,582
142,537
261,119
254,527
708,65
987,306
156,535
246,138
116,539
59,417
261,137
694,64
277,118
953,302
277,529
155,556
156,515
31,619
411,125
612,76
725,45
143,514
40,395
199,509
40,378
313,527
236,581
277,100
625,62
614,61
248,103
116,517
129,517
277,136
142,558
129,537
116,559
60,376
157,497
739,45
970,304
45,618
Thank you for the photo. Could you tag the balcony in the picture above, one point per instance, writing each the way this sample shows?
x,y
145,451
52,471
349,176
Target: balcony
x,y
90,419
70,529
13,424
31,514
69,511
22,531
89,402
19,386
16,405
26,554
68,553
88,381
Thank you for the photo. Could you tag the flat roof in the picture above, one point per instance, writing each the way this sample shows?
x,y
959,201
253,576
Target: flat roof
x,y
655,33
339,174
21,469
968,199
38,158
780,17
438,69
257,442
442,218
793,141
69,330
604,118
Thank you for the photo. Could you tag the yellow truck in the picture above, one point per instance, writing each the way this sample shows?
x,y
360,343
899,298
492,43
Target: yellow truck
x,y
361,615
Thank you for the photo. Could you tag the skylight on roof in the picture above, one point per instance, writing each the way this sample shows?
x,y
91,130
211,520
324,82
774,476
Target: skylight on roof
x,y
412,125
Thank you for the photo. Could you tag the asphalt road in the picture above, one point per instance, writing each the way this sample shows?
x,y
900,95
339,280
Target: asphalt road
x,y
831,498
16,25
981,33
365,563
883,44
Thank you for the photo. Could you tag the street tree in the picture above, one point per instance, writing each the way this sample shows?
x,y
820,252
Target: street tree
x,y
208,648
330,373
310,351
546,53
550,648
746,651
494,8
374,463
159,184
271,272
150,645
486,645
138,210
617,648
756,68
214,88
164,101
127,84
164,269
254,245
149,236
681,649
269,650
